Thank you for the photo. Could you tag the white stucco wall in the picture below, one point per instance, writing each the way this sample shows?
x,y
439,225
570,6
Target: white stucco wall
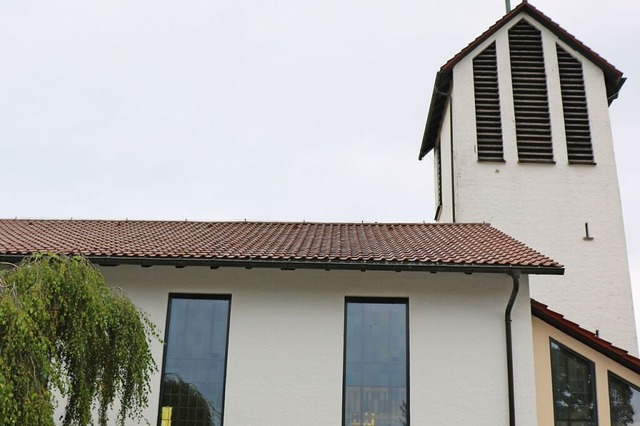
x,y
547,205
285,358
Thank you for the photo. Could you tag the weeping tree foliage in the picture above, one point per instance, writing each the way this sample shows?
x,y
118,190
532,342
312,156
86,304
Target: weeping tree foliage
x,y
62,330
188,403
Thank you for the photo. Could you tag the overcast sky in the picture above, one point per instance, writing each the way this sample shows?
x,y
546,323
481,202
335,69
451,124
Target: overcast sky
x,y
264,110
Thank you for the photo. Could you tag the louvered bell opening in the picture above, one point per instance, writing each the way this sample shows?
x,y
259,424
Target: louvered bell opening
x,y
574,105
529,80
488,125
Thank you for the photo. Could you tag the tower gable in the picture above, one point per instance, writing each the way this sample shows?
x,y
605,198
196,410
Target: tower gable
x,y
613,79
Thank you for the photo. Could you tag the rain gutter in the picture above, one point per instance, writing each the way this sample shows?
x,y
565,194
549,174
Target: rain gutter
x,y
181,262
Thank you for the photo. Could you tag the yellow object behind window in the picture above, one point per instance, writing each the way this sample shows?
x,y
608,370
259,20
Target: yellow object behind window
x,y
166,416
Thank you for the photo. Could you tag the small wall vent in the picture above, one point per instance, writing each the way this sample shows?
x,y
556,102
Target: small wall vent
x,y
529,80
488,124
574,105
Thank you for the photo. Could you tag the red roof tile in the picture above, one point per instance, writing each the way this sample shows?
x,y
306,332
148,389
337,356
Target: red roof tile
x,y
585,336
411,245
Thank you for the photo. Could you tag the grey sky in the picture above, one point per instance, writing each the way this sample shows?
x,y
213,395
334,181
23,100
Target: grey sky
x,y
264,110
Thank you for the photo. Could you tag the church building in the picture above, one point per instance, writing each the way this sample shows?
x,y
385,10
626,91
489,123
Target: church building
x,y
513,308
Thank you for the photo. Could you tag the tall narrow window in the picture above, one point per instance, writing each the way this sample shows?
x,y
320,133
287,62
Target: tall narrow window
x,y
574,395
529,80
624,402
574,106
195,361
376,371
488,123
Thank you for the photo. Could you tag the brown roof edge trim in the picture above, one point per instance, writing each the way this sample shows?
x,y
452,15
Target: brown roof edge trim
x,y
615,93
585,336
347,265
448,66
612,75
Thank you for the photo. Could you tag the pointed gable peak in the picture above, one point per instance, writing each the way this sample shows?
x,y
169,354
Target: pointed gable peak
x,y
611,72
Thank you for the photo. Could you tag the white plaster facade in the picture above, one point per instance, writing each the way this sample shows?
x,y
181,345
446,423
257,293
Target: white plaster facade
x,y
286,334
545,205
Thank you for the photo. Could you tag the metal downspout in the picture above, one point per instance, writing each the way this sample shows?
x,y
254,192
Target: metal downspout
x,y
453,174
507,320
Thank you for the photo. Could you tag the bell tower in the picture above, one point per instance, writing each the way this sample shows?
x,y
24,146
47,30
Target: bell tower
x,y
521,138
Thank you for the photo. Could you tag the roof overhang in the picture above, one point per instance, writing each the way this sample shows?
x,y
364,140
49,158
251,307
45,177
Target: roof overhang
x,y
311,264
437,109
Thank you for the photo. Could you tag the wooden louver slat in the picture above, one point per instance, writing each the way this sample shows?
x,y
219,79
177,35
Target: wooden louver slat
x,y
529,80
488,124
574,105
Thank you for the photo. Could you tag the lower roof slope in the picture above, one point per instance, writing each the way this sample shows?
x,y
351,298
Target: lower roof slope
x,y
404,246
585,336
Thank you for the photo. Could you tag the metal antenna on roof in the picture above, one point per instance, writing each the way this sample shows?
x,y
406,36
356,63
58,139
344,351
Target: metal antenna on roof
x,y
507,4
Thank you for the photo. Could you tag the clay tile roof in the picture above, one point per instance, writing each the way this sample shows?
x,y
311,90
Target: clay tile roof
x,y
613,76
360,245
585,336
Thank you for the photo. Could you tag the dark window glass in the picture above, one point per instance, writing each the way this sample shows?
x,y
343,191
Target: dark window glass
x,y
573,388
375,371
624,402
195,361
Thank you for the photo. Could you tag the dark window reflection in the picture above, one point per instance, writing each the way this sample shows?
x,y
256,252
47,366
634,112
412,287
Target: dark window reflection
x,y
573,388
195,362
624,402
376,364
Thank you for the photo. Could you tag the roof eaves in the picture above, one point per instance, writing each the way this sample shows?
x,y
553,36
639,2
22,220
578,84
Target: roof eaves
x,y
313,264
441,92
